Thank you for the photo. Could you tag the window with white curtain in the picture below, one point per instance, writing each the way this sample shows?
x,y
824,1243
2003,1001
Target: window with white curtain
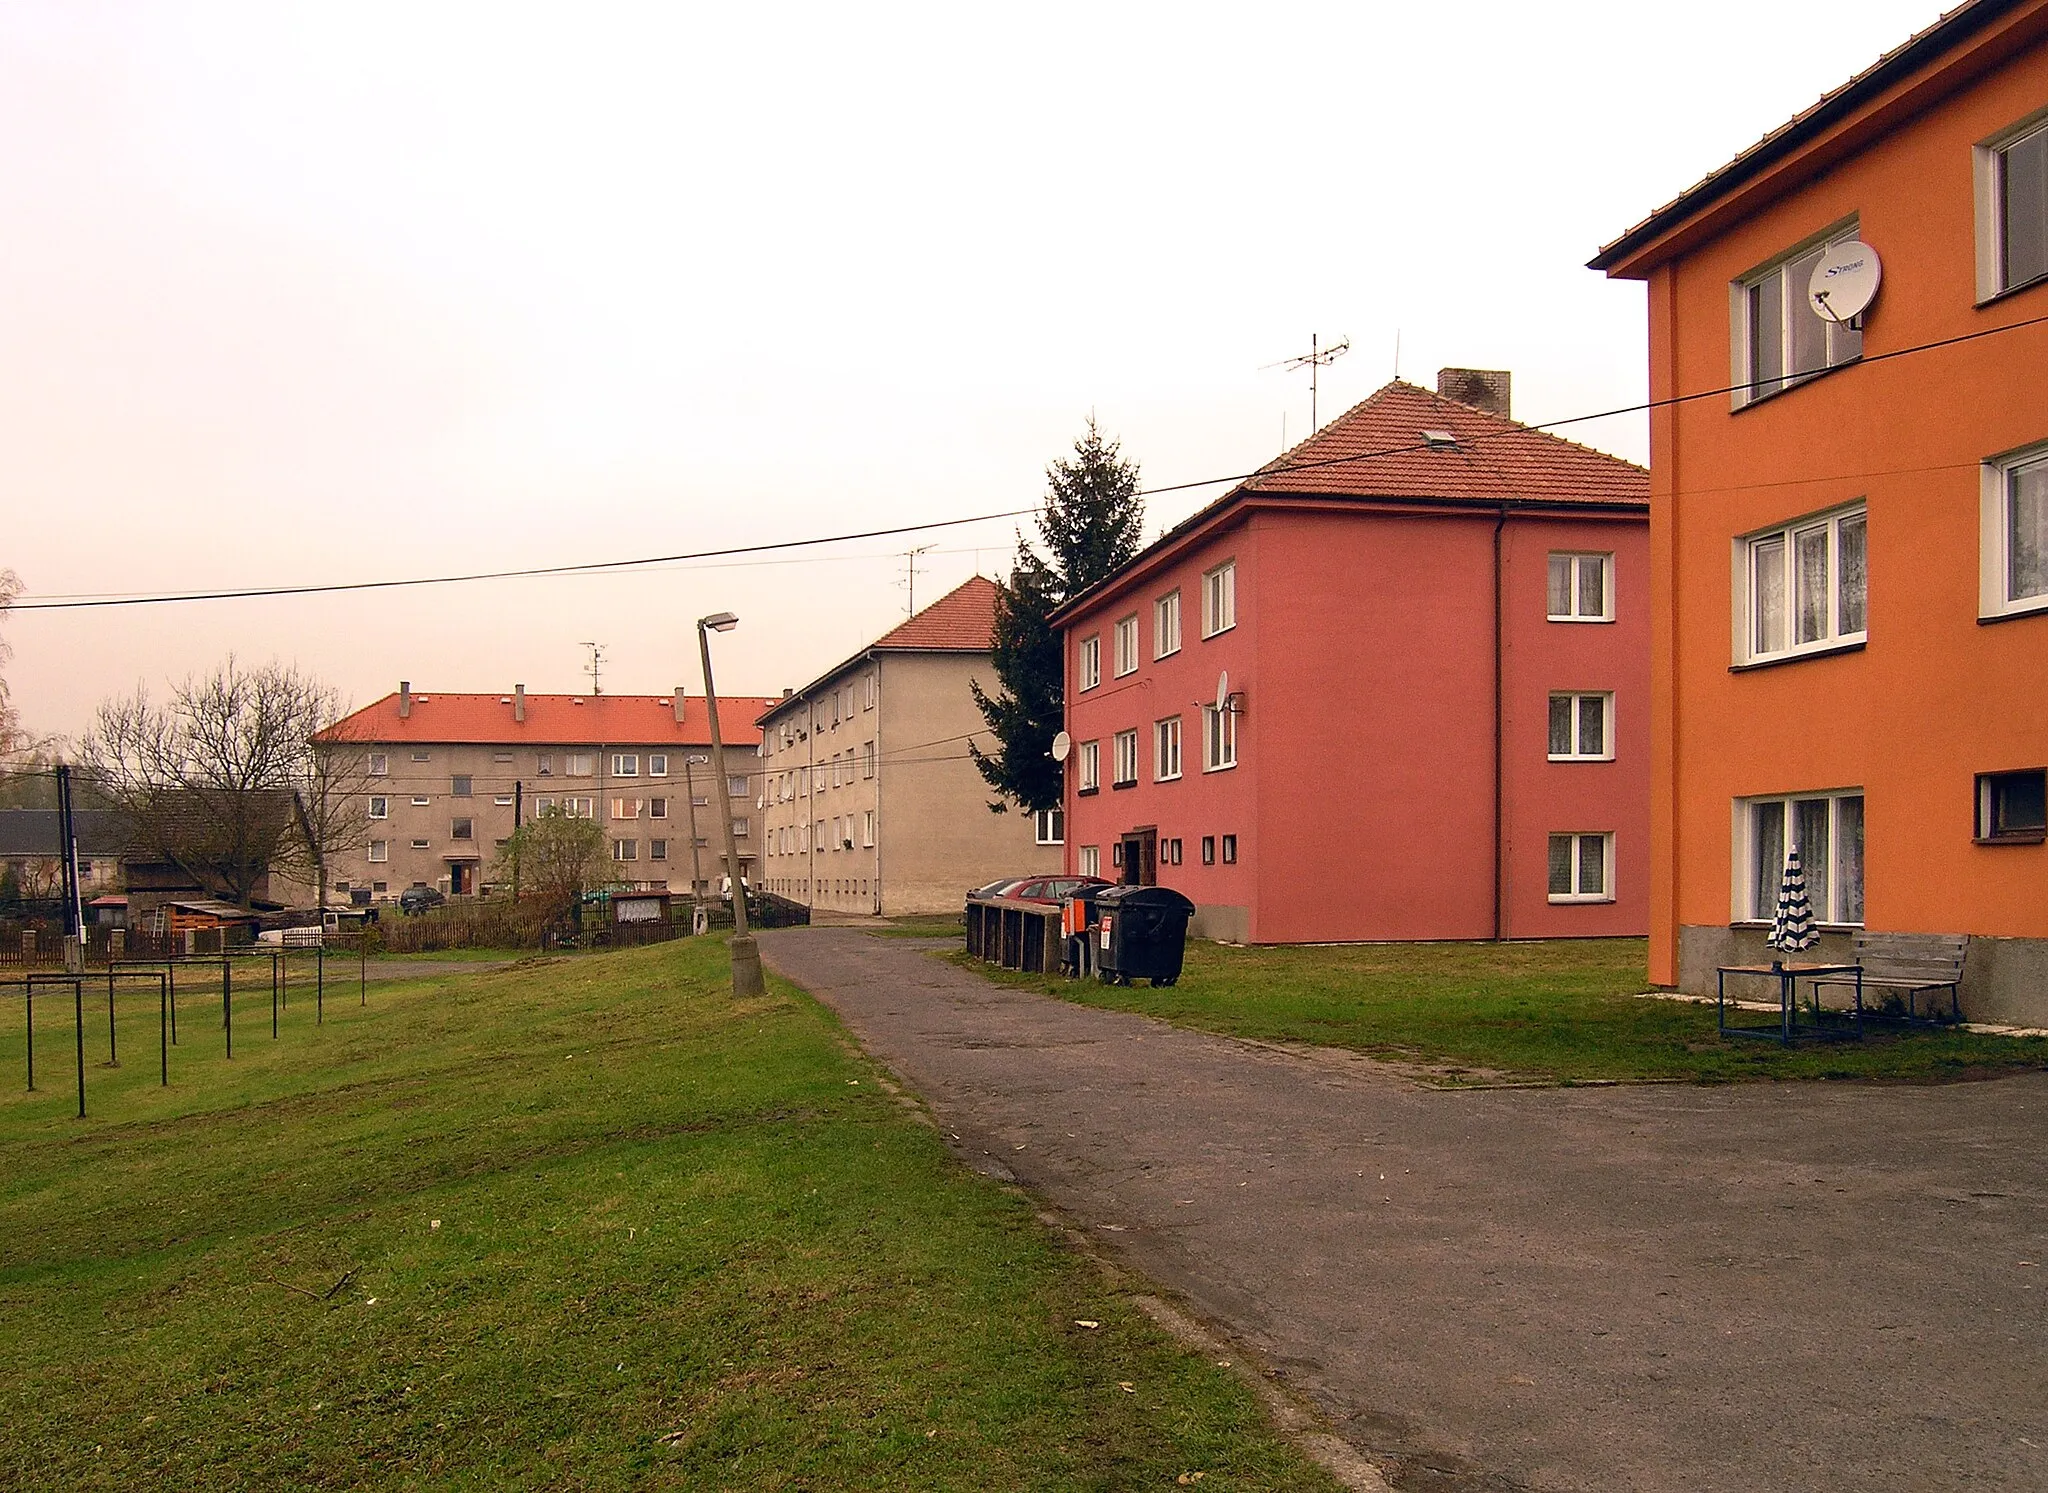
x,y
1090,664
2012,208
1582,868
1219,738
1126,759
1582,728
1802,587
1090,770
2014,549
1126,645
1089,862
1219,599
1581,588
1051,825
1166,749
1166,625
1827,828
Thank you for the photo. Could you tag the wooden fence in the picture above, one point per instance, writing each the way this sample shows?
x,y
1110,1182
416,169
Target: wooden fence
x,y
1015,935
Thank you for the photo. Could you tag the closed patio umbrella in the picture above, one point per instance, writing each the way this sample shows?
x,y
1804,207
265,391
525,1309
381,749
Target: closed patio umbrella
x,y
1792,929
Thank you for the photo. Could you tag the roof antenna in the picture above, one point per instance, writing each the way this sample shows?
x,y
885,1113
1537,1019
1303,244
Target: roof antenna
x,y
1316,358
596,663
910,566
1397,354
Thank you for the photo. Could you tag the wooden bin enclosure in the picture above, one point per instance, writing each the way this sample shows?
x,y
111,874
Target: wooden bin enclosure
x,y
1016,935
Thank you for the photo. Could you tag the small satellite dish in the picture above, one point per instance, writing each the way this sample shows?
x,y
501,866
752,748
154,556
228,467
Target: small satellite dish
x,y
1844,282
1223,691
1061,745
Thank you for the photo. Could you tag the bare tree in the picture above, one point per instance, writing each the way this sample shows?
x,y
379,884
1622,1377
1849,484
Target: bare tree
x,y
10,723
331,798
220,780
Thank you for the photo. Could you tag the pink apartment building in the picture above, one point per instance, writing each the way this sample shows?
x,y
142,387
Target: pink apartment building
x,y
1394,687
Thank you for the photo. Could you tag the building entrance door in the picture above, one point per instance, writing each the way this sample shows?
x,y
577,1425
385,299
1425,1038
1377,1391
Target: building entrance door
x,y
461,879
1141,857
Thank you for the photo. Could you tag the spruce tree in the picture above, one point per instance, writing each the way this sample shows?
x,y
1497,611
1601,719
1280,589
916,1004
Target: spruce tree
x,y
1090,527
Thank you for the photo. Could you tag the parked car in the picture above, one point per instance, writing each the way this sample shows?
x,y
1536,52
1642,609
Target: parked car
x,y
417,899
1052,889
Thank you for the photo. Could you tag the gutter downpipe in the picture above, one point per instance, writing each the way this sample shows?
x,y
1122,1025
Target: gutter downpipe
x,y
880,704
1499,753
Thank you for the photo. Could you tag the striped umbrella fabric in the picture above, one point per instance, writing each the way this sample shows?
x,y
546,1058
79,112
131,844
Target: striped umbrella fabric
x,y
1792,929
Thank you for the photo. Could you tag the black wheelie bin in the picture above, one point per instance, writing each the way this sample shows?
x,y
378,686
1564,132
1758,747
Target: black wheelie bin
x,y
1143,934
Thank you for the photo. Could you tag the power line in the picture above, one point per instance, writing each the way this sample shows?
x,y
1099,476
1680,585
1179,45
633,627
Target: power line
x,y
1270,470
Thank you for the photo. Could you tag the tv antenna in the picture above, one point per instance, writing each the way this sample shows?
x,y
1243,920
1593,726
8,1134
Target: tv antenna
x,y
1314,360
596,663
910,572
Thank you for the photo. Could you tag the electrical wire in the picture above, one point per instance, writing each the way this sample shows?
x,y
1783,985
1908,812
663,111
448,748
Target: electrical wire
x,y
1270,470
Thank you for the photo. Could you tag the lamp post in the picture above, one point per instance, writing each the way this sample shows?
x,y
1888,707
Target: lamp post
x,y
746,955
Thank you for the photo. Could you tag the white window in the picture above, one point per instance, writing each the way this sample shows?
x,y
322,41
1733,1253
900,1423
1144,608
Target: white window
x,y
544,763
1166,625
1582,728
1091,662
419,844
657,764
870,687
1052,826
577,764
1780,339
502,800
1219,599
1582,868
657,850
420,801
579,808
380,807
422,756
657,808
2012,208
1801,588
867,829
1126,759
1126,645
380,850
1089,862
625,764
1581,588
626,808
542,803
1166,749
739,829
1091,766
2012,807
736,786
867,759
1219,738
501,756
1827,829
2014,548
625,850
380,765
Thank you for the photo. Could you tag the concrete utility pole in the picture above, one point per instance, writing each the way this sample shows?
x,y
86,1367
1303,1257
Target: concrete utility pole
x,y
696,863
746,954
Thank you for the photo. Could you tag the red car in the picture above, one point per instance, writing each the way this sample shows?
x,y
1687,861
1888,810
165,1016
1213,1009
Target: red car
x,y
1052,889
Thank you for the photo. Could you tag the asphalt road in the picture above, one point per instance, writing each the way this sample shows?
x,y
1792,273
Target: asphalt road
x,y
1749,1287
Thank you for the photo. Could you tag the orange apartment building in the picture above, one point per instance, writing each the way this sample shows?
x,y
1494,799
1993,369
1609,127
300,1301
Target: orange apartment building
x,y
1849,519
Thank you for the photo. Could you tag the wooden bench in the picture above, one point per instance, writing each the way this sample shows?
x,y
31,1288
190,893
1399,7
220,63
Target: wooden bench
x,y
1912,965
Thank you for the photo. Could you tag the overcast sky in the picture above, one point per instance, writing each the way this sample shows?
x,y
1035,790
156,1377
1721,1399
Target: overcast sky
x,y
300,294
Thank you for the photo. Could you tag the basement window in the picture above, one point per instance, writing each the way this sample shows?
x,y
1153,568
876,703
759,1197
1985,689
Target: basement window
x,y
2012,807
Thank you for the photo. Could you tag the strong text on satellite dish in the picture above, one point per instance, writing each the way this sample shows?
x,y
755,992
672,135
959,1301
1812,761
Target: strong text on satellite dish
x,y
1844,282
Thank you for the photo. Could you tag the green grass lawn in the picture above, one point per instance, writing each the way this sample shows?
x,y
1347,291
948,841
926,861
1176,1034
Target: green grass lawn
x,y
925,925
589,1224
1560,1010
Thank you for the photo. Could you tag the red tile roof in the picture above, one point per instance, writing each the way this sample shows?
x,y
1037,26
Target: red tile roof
x,y
961,621
551,720
1377,449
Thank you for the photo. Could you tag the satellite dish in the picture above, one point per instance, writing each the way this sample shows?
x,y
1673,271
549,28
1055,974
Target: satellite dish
x,y
1844,282
1223,691
1061,745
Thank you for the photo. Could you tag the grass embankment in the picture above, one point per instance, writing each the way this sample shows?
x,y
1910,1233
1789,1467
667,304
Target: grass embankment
x,y
1561,1010
925,925
583,1224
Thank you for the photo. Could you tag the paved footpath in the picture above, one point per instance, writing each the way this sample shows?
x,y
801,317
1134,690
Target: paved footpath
x,y
1753,1287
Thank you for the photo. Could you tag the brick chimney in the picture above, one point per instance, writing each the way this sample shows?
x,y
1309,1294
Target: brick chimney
x,y
405,699
679,704
519,703
1489,389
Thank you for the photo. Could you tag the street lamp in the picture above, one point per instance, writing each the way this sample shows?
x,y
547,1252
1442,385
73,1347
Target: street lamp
x,y
746,955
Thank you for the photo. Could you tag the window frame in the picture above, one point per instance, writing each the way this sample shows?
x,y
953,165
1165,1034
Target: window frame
x,y
1230,850
1166,624
1747,653
1574,560
1124,659
1048,825
625,850
1089,773
1988,166
1997,487
1747,389
380,764
462,785
1166,749
657,764
380,852
625,764
1219,598
1987,832
463,828
380,806
1124,754
1577,896
1088,662
1088,860
1578,700
1750,899
1219,743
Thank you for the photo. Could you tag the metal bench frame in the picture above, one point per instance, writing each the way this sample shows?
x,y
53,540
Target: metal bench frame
x,y
1912,964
